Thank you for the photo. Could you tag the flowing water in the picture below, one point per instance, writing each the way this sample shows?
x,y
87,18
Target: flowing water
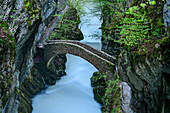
x,y
73,93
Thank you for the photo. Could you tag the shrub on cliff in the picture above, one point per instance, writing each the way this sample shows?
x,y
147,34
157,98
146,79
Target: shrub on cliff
x,y
143,26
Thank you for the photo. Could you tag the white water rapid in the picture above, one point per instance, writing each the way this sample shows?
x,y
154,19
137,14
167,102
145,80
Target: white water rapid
x,y
73,93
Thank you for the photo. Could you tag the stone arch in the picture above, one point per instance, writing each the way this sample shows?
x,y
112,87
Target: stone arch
x,y
90,48
60,47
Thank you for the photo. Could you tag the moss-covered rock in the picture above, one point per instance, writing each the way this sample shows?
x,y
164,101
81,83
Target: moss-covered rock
x,y
146,77
33,18
40,76
107,93
143,25
99,87
7,56
67,28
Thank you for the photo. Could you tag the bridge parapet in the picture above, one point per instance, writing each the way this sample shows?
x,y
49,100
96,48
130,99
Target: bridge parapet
x,y
90,48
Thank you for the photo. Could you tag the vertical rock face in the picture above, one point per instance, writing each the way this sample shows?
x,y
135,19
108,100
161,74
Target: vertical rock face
x,y
146,74
166,16
113,48
30,22
147,77
7,55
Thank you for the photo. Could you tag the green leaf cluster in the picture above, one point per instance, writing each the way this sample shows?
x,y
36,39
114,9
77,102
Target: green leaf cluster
x,y
135,30
6,36
32,9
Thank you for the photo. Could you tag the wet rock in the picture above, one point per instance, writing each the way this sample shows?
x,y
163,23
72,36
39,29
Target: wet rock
x,y
28,30
146,77
126,97
50,71
31,74
68,29
106,92
99,87
7,56
111,47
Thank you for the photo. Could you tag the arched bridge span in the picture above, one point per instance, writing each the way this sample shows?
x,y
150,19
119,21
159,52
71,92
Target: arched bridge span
x,y
101,60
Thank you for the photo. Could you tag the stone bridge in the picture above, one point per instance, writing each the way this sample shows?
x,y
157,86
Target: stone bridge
x,y
101,60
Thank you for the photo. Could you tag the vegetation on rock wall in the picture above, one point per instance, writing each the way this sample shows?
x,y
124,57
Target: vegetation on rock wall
x,y
107,92
138,27
33,10
7,55
67,28
143,27
6,40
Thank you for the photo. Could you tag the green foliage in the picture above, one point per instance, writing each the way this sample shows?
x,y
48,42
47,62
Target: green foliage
x,y
67,28
77,4
112,97
136,30
142,27
6,37
151,2
7,42
32,9
143,5
113,12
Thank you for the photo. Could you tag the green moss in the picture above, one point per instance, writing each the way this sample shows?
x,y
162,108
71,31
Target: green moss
x,y
134,3
164,40
31,7
107,92
7,48
142,28
7,41
25,104
67,28
4,100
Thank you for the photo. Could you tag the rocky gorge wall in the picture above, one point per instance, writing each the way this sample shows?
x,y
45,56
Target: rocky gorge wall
x,y
7,55
30,23
28,29
147,76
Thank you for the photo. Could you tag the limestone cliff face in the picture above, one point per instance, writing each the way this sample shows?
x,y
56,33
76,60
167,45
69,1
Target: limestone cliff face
x,y
109,31
30,23
148,76
149,80
7,55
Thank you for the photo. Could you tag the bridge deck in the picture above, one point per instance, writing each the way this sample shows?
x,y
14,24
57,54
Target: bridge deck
x,y
88,47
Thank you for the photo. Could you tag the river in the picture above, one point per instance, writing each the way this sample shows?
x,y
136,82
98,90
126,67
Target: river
x,y
73,93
